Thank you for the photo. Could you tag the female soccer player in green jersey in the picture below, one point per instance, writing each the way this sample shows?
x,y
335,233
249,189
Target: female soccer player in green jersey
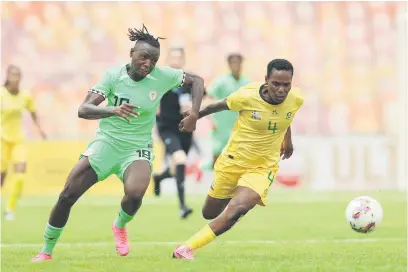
x,y
123,143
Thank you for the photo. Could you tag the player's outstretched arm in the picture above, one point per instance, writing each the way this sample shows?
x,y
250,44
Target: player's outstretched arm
x,y
188,124
197,91
220,105
89,109
287,145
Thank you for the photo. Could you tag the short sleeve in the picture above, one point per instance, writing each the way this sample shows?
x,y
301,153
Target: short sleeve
x,y
298,97
236,100
174,77
30,104
104,86
214,88
299,101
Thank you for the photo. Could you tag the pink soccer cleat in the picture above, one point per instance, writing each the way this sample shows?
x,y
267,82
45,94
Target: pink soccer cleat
x,y
183,252
122,242
41,257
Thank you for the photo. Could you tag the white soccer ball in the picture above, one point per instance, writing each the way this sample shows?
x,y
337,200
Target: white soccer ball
x,y
364,214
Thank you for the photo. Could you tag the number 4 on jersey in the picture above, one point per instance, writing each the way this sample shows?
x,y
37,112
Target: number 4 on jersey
x,y
272,127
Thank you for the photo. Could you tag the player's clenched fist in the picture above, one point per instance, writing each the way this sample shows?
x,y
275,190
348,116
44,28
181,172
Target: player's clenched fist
x,y
125,110
188,124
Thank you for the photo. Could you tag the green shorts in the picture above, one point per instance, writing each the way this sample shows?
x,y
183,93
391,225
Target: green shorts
x,y
106,160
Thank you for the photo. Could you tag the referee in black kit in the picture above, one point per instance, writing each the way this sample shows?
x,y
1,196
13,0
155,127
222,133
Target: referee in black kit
x,y
177,143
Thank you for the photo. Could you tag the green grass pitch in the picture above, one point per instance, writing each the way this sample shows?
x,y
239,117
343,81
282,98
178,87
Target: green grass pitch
x,y
297,231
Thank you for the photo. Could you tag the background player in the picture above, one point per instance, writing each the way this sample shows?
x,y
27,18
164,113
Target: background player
x,y
123,144
219,89
177,143
248,164
13,102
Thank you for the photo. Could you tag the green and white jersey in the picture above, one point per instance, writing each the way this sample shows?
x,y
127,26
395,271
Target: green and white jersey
x,y
118,88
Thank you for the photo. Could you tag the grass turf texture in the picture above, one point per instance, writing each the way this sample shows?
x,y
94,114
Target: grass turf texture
x,y
297,231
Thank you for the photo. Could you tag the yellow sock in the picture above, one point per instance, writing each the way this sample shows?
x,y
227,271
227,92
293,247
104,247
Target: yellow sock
x,y
17,181
201,238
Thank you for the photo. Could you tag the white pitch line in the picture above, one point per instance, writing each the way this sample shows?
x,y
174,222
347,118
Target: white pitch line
x,y
258,242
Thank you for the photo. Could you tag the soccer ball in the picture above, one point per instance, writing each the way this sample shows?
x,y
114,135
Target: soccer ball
x,y
364,214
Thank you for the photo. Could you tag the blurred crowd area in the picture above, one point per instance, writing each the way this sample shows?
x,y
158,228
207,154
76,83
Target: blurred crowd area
x,y
344,53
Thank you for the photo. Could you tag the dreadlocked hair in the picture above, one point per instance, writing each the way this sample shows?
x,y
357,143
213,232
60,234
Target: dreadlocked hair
x,y
143,35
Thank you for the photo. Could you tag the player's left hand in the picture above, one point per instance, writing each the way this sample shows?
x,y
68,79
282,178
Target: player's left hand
x,y
188,124
286,150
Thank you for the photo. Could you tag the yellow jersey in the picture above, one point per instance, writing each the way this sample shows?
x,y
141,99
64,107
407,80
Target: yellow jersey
x,y
12,107
260,128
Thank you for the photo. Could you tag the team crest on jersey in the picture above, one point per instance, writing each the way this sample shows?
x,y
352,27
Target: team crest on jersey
x,y
288,115
153,95
256,115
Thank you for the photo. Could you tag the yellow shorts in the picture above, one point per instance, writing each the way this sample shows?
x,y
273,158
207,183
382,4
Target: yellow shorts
x,y
12,152
228,176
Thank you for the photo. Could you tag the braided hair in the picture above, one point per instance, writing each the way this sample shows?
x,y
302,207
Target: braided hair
x,y
143,35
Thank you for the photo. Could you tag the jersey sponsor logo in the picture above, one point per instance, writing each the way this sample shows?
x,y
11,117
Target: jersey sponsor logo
x,y
153,95
288,115
256,115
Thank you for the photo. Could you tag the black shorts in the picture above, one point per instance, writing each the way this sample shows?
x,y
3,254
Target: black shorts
x,y
175,141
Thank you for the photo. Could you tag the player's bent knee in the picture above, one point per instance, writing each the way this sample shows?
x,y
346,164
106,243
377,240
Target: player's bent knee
x,y
179,157
135,195
210,212
136,192
67,198
209,215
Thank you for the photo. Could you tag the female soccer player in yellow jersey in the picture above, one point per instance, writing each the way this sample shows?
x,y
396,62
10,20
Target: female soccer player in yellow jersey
x,y
248,164
13,102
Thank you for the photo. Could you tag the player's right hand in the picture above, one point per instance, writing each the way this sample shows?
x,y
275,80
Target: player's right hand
x,y
125,110
286,149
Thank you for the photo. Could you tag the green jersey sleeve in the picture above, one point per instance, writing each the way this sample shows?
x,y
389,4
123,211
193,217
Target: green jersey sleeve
x,y
104,86
174,78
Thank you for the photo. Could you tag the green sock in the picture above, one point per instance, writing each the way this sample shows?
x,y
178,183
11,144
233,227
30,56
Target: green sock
x,y
51,236
122,219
